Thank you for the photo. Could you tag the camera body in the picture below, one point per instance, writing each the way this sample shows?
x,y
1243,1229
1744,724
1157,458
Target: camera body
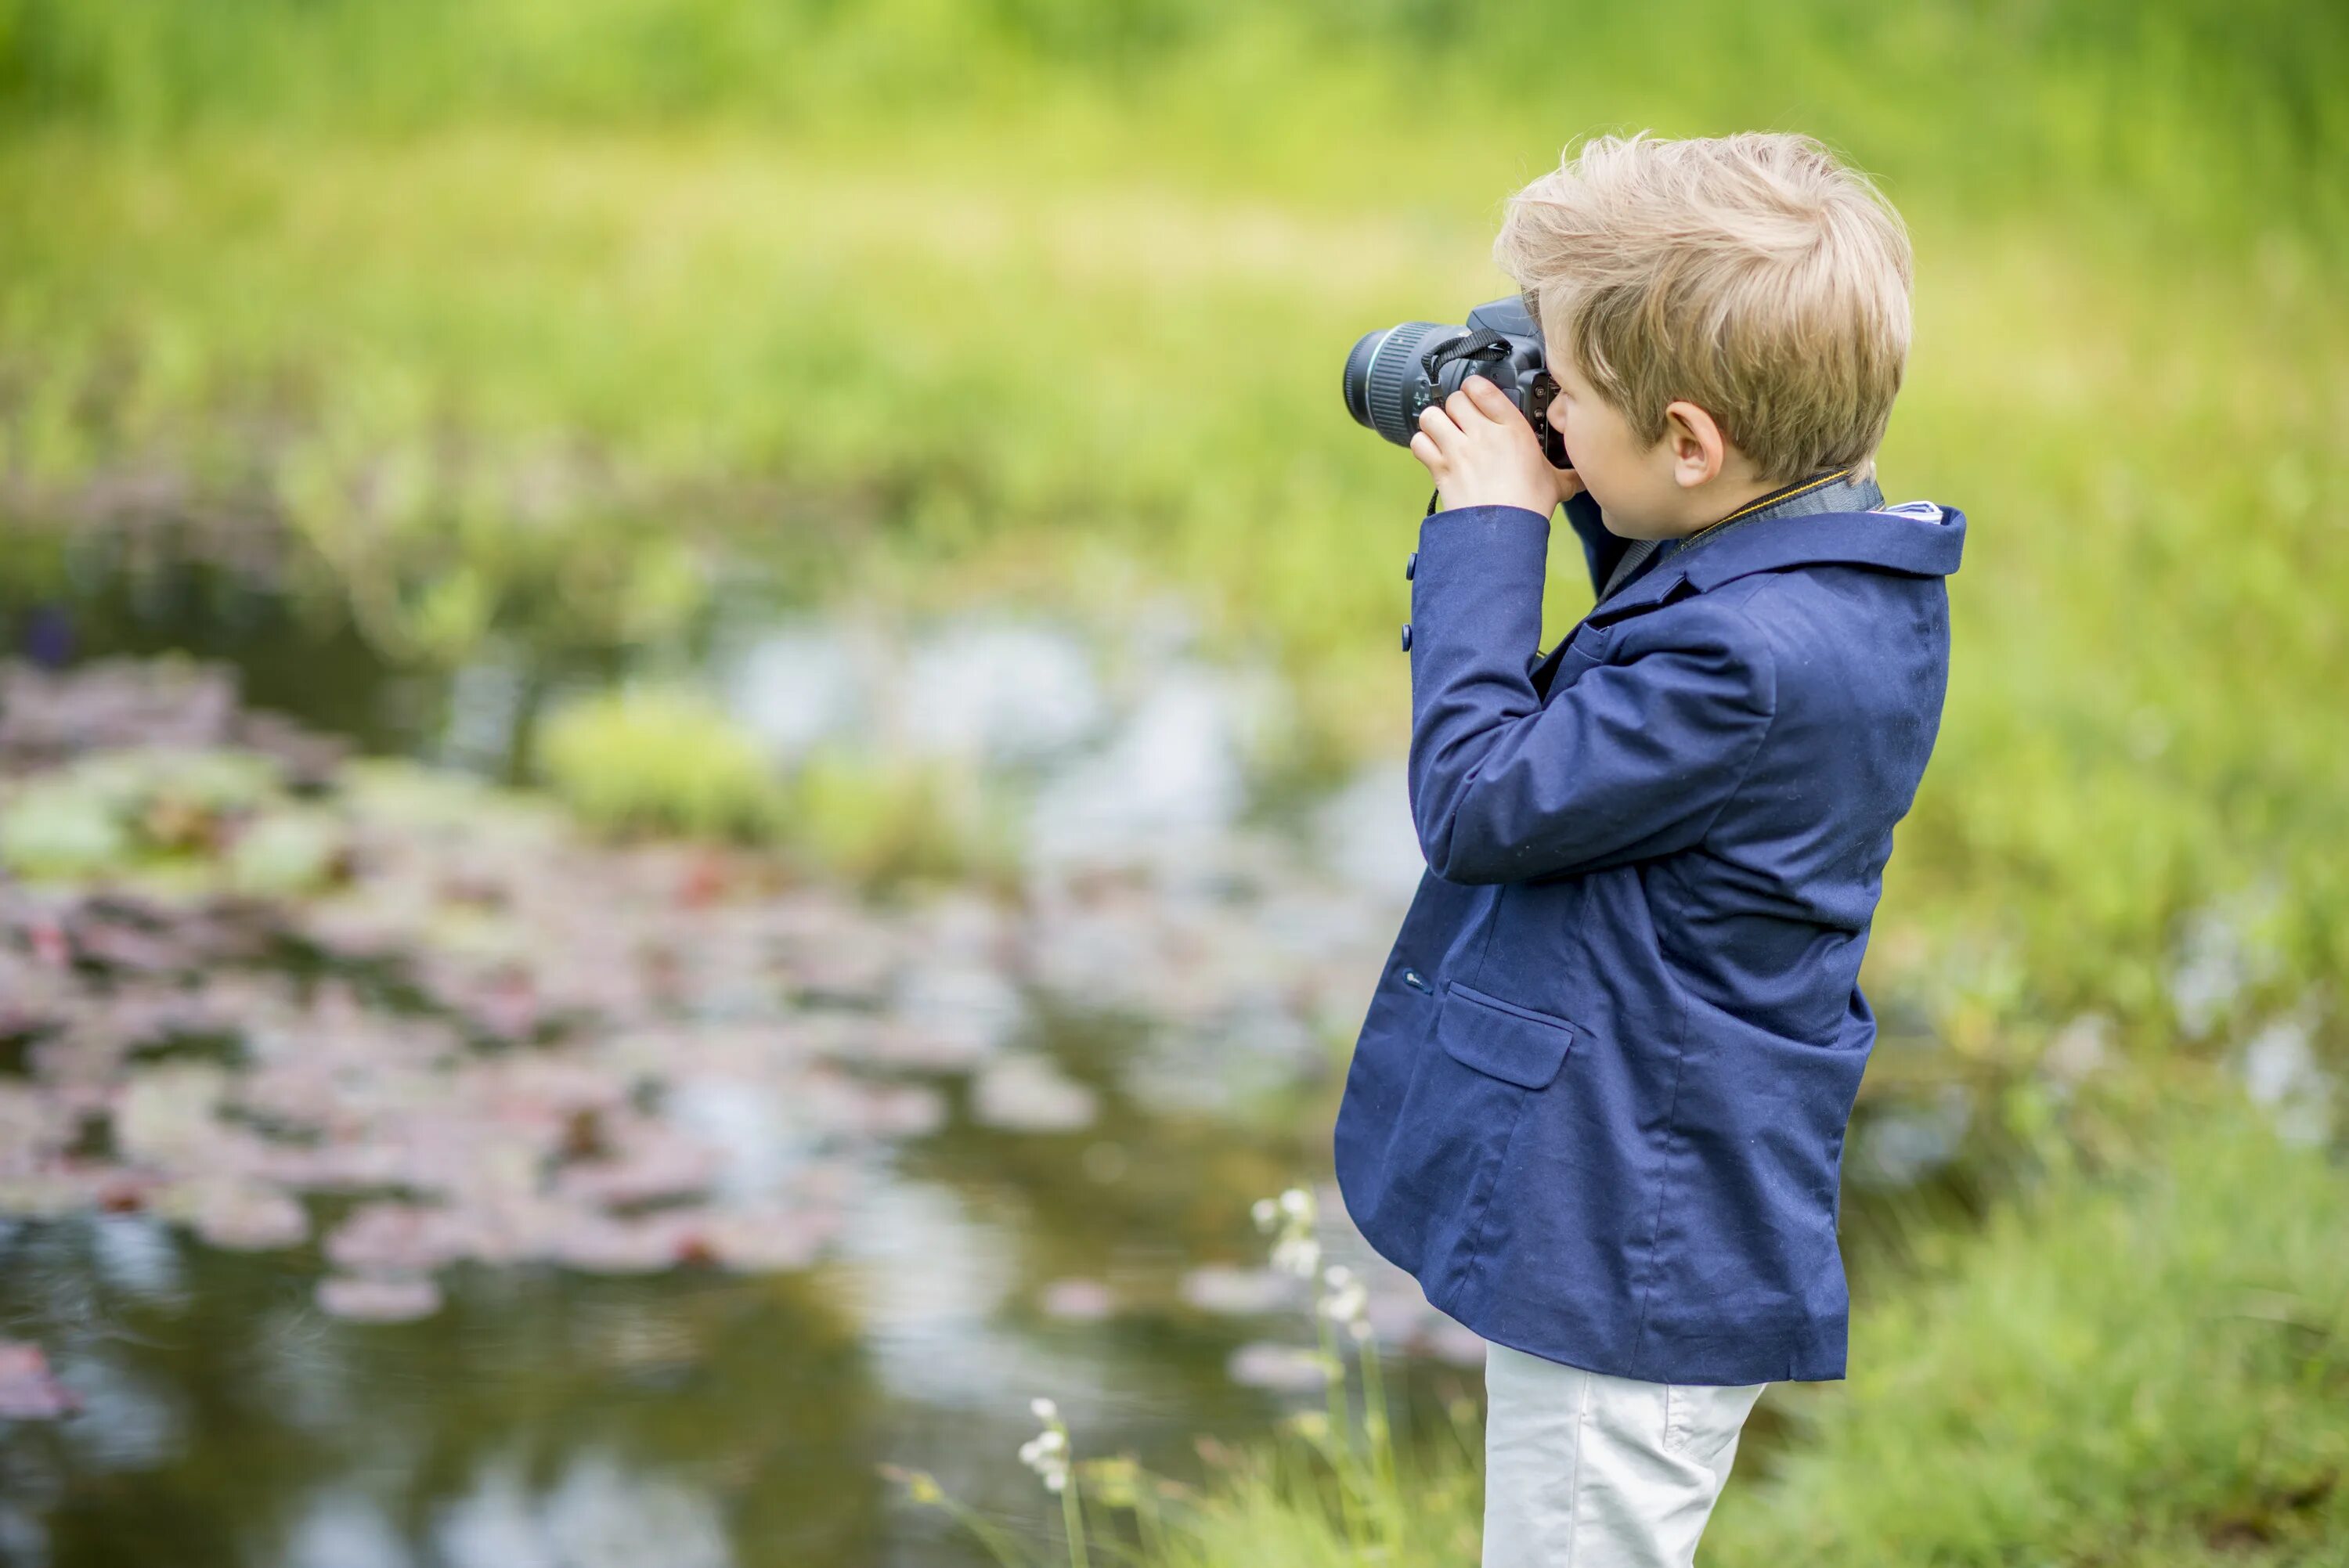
x,y
1392,376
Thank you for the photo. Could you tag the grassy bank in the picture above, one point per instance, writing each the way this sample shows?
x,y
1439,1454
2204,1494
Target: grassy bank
x,y
2141,1362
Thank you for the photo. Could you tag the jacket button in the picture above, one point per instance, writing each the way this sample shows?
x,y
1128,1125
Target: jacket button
x,y
1411,567
1406,636
1414,979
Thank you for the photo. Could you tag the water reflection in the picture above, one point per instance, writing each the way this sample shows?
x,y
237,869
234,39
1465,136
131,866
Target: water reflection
x,y
587,1420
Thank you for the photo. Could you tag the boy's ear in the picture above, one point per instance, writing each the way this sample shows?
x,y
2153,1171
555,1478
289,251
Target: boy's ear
x,y
1694,439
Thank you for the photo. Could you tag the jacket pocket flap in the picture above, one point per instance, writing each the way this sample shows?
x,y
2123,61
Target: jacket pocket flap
x,y
1501,1039
1586,645
1583,651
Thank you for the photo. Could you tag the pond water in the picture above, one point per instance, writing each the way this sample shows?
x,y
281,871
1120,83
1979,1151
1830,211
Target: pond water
x,y
519,1199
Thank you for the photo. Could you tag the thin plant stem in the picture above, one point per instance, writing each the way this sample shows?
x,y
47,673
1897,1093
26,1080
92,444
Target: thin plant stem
x,y
1381,1433
1152,1528
1340,1444
998,1545
1072,1521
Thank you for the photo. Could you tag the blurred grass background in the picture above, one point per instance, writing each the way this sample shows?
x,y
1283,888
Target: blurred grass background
x,y
544,318
1046,299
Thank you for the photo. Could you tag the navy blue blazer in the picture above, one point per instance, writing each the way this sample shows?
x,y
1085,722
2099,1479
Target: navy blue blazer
x,y
1597,1104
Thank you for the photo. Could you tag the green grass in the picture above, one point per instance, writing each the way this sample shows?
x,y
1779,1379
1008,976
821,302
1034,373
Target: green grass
x,y
2193,108
2142,1364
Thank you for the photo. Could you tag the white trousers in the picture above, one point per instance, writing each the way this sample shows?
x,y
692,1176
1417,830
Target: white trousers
x,y
1584,1470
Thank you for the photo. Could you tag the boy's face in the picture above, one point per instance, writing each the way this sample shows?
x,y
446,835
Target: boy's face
x,y
1634,490
1661,489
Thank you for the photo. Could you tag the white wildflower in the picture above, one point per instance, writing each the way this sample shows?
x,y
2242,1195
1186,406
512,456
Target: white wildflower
x,y
1343,1299
1290,1218
1299,1255
1047,1453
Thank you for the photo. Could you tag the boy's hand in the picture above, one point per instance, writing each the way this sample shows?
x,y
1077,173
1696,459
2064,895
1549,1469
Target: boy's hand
x,y
1482,453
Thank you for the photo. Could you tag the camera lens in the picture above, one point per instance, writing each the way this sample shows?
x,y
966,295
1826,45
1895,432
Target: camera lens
x,y
1358,374
1386,376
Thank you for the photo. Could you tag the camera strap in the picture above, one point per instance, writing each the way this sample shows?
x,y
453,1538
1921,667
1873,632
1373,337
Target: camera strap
x,y
1478,344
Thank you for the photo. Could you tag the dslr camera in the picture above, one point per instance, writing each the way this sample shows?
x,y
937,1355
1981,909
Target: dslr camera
x,y
1391,377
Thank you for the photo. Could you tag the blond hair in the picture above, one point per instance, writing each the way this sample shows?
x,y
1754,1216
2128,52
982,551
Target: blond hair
x,y
1754,275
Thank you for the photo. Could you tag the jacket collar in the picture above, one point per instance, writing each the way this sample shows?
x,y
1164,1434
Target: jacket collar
x,y
1832,524
1908,542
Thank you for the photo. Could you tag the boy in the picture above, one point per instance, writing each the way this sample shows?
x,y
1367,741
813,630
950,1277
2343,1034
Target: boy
x,y
1598,1105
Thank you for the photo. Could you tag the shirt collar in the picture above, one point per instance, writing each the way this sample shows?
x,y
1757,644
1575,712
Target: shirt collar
x,y
1836,491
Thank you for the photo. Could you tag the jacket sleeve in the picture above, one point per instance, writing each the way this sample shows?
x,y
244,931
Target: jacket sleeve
x,y
1634,759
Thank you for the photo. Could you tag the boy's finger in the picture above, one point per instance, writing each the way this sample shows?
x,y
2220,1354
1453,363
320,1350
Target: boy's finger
x,y
1488,396
1435,423
1425,450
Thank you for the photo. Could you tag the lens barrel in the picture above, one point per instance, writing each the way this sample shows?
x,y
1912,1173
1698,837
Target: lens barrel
x,y
1386,376
1358,375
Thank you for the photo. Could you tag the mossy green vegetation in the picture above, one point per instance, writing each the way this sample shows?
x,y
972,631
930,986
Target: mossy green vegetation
x,y
660,760
667,761
883,820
